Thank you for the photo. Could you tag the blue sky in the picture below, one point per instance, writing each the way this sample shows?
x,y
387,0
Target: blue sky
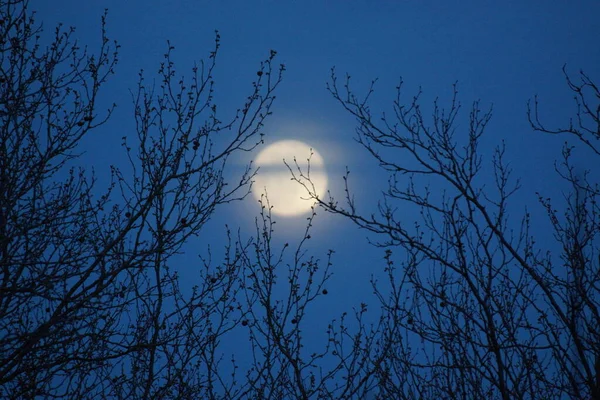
x,y
501,53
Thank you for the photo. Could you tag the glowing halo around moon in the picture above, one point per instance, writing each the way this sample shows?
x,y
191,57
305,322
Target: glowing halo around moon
x,y
288,198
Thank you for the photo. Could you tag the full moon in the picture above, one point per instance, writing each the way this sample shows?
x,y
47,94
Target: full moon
x,y
287,197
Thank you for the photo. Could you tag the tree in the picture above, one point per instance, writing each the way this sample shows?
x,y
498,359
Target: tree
x,y
89,304
90,299
476,307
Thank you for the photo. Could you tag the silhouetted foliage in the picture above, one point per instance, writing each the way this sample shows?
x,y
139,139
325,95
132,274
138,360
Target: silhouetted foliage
x,y
92,306
89,304
476,307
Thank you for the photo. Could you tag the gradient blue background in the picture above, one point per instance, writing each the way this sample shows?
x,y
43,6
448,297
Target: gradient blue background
x,y
500,52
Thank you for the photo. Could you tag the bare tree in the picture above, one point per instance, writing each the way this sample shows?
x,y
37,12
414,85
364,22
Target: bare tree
x,y
279,289
90,299
472,306
90,305
577,232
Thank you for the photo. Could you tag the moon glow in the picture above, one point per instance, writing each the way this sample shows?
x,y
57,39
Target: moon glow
x,y
287,197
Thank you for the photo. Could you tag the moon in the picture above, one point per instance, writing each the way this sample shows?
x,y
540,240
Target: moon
x,y
287,197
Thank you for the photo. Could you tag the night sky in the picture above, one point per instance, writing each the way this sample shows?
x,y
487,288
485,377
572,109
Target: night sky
x,y
500,53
